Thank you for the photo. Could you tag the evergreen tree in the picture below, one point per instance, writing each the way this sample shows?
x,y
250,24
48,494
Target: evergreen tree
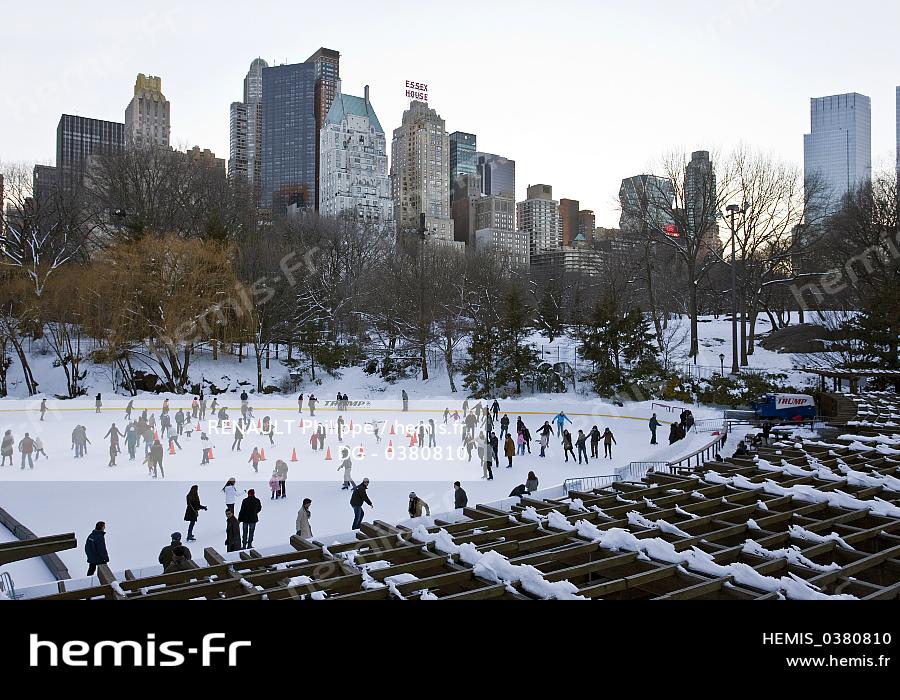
x,y
479,371
518,358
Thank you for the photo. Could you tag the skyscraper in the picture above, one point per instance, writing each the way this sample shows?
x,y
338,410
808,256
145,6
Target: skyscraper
x,y
465,193
327,67
498,174
462,156
837,153
420,172
147,116
646,202
290,139
539,216
78,139
237,138
354,169
587,224
568,220
253,105
898,128
497,212
700,196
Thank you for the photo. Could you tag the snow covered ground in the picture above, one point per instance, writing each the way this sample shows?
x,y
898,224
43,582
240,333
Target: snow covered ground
x,y
64,494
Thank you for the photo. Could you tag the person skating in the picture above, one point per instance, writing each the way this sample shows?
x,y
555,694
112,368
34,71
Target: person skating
x,y
312,405
417,507
204,446
114,434
195,409
561,419
509,449
545,443
359,496
165,554
281,469
202,415
43,408
495,409
215,404
567,445
255,459
608,441
304,529
173,443
238,436
340,428
8,446
654,426
495,448
595,437
95,548
80,441
405,398
192,511
165,425
347,466
300,404
487,455
504,426
581,443
469,445
520,444
527,434
131,440
39,449
673,434
432,433
229,490
113,451
531,483
156,456
460,497
180,561
421,435
446,415
249,517
26,447
232,532
98,403
470,422
314,441
128,409
179,422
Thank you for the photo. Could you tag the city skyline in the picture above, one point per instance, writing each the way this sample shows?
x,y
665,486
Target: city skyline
x,y
638,111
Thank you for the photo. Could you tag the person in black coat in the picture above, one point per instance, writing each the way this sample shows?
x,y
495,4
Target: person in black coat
x,y
519,491
359,496
232,532
460,497
165,554
249,517
192,511
95,548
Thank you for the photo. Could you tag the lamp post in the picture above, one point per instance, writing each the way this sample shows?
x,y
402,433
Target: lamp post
x,y
722,362
732,210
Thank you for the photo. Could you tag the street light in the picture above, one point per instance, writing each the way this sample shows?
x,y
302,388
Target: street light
x,y
722,362
732,210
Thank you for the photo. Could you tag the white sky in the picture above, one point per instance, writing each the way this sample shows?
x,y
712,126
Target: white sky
x,y
580,94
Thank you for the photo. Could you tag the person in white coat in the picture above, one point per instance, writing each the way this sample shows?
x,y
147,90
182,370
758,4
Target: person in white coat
x,y
231,494
303,515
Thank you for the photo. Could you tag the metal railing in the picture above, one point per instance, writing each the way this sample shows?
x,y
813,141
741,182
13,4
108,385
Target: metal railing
x,y
715,425
638,470
586,484
7,584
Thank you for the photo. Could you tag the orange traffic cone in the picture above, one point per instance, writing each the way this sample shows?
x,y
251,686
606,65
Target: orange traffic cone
x,y
390,444
294,455
351,424
362,452
171,448
262,455
412,440
259,423
210,453
393,432
155,435
198,426
328,455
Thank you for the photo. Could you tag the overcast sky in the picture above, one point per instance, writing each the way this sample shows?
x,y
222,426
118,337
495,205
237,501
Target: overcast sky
x,y
580,94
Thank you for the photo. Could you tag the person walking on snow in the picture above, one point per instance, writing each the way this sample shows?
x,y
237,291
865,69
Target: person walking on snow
x,y
229,490
95,548
26,447
359,496
232,532
509,449
417,506
567,445
561,419
249,518
304,529
581,443
596,436
654,426
608,441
